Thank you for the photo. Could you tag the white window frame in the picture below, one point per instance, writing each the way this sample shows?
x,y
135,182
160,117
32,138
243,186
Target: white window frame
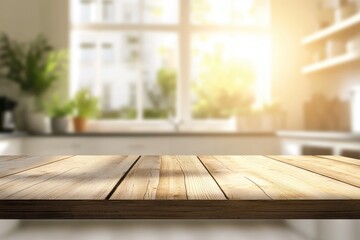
x,y
184,30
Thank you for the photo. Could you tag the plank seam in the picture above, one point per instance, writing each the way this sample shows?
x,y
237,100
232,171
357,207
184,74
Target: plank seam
x,y
31,168
213,178
312,171
13,157
121,179
336,160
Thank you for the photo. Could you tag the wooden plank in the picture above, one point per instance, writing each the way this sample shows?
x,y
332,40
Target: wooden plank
x,y
172,179
281,181
341,170
142,180
166,177
78,177
180,209
343,159
13,164
9,157
236,184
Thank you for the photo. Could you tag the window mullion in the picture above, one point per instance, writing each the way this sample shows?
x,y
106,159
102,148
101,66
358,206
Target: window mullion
x,y
99,66
184,88
140,81
99,12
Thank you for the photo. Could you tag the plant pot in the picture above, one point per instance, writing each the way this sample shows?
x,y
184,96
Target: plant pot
x,y
37,122
23,113
60,125
79,124
30,119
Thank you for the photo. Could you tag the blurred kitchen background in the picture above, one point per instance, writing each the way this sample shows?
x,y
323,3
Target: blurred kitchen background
x,y
181,77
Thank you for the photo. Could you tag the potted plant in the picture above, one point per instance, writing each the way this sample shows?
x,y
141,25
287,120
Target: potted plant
x,y
34,67
86,107
59,111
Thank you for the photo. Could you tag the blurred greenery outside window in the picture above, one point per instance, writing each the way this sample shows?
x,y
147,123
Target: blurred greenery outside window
x,y
135,65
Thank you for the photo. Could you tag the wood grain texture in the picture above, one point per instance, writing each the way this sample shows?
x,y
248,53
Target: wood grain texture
x,y
14,164
278,180
340,169
168,177
236,184
79,177
343,159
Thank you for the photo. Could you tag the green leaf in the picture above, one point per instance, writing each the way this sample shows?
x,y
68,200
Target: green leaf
x,y
86,106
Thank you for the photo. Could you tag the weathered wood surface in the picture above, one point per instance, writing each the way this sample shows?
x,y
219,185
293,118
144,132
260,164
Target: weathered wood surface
x,y
78,177
278,181
14,164
341,169
250,187
168,177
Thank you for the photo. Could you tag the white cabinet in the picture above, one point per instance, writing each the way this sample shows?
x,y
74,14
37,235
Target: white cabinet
x,y
320,143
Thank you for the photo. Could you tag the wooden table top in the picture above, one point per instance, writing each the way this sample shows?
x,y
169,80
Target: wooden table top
x,y
178,187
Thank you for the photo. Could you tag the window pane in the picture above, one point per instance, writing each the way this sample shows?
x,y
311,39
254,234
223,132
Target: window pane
x,y
225,71
161,11
129,11
108,53
84,11
130,72
120,74
108,10
148,11
238,12
160,69
126,11
87,64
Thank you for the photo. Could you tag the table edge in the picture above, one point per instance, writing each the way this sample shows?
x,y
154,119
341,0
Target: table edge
x,y
179,209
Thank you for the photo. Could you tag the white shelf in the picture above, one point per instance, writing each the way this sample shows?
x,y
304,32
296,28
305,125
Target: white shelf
x,y
330,63
338,27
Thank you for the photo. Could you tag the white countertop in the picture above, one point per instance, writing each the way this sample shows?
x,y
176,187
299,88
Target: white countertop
x,y
319,135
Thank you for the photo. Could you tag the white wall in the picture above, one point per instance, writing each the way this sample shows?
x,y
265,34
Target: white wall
x,y
291,21
56,21
21,19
